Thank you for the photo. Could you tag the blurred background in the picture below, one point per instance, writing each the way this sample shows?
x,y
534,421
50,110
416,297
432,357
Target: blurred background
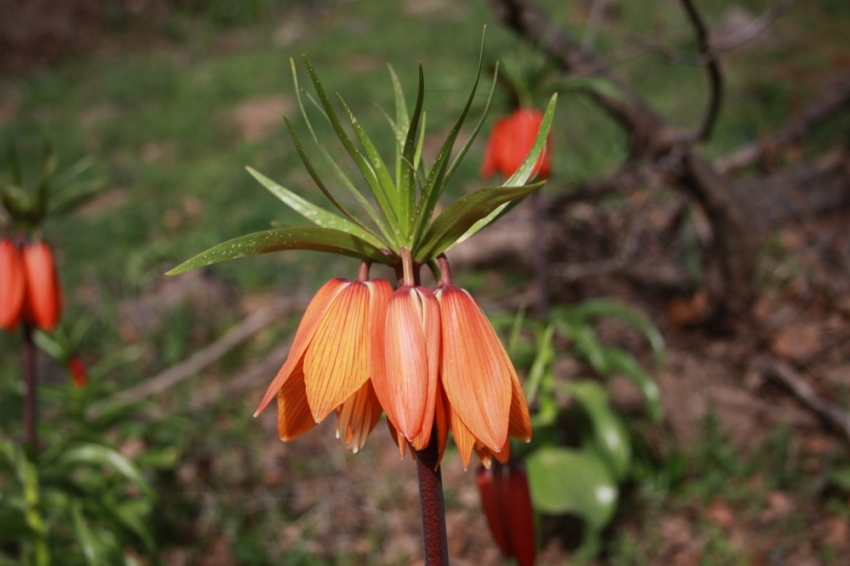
x,y
709,198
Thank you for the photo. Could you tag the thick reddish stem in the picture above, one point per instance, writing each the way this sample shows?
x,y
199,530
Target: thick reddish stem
x,y
433,511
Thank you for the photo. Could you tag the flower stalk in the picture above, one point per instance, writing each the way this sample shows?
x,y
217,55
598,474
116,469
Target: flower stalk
x,y
31,387
432,508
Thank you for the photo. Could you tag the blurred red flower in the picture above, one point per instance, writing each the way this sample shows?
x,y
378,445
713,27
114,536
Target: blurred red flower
x,y
511,140
507,505
43,301
79,375
12,285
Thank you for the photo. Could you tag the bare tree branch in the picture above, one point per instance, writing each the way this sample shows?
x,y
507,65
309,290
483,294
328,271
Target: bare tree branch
x,y
754,29
716,46
835,100
661,144
594,21
715,78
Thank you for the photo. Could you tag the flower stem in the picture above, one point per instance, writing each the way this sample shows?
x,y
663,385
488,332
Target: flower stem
x,y
445,270
31,383
433,511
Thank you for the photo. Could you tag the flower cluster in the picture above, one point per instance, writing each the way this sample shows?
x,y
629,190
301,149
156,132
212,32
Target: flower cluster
x,y
428,358
29,286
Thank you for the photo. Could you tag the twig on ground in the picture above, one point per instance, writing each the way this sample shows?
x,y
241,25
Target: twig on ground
x,y
191,366
608,266
245,380
832,413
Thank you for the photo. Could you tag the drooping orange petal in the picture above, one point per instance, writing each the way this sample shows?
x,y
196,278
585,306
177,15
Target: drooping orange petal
x,y
476,372
486,455
519,422
398,438
358,416
336,363
430,315
293,413
464,440
406,385
12,285
441,421
43,297
306,329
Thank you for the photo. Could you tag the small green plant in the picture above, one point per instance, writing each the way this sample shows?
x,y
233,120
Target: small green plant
x,y
579,471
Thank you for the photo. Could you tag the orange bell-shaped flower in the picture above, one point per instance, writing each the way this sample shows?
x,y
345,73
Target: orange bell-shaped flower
x,y
485,400
43,302
510,142
330,362
506,501
12,285
406,385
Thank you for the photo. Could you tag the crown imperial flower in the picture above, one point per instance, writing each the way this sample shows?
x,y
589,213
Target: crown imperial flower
x,y
79,374
330,363
43,297
506,501
12,284
427,358
485,400
511,140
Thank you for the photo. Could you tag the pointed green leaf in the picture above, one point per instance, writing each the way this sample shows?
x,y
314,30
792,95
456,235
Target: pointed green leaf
x,y
542,363
352,189
387,190
85,537
402,119
463,150
435,182
298,238
592,308
406,183
42,188
620,361
365,170
305,159
609,435
97,454
457,218
524,172
14,166
315,214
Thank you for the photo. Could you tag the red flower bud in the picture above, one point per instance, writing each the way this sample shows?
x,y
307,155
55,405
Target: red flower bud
x,y
79,375
43,303
511,140
507,506
12,285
